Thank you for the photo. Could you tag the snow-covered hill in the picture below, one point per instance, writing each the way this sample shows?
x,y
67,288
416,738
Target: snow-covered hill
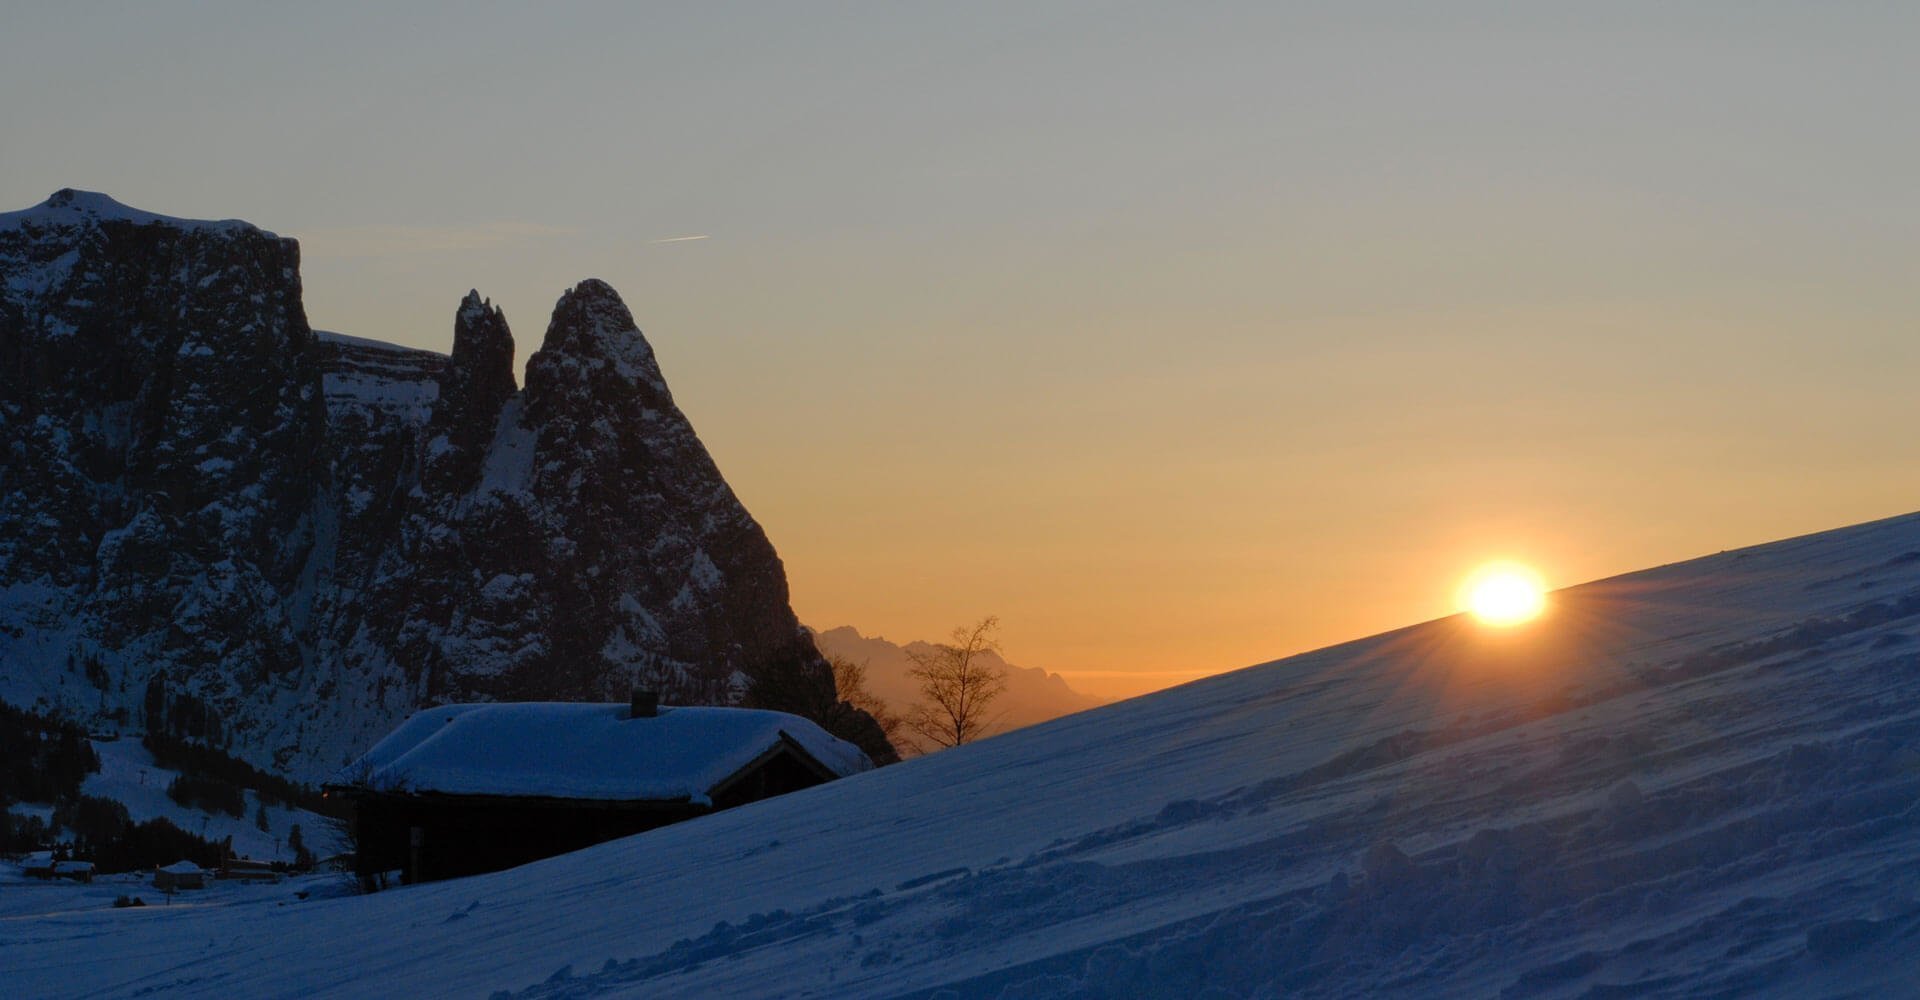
x,y
128,775
1700,780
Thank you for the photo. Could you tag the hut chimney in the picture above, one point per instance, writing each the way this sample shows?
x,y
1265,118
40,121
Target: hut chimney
x,y
646,704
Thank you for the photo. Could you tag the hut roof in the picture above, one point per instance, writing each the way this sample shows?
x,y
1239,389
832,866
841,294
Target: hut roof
x,y
587,751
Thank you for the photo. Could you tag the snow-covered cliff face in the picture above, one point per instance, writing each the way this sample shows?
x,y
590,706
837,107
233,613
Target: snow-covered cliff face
x,y
216,521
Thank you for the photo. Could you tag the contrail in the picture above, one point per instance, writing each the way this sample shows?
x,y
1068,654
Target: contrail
x,y
681,239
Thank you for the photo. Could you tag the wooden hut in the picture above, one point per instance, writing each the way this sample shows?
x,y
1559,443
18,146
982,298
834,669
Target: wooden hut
x,y
247,870
179,875
78,871
463,789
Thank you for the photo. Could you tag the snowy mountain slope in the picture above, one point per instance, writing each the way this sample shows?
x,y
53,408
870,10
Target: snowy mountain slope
x,y
1703,779
128,775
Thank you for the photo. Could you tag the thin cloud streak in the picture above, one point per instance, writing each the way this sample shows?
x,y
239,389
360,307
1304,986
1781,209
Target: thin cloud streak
x,y
681,239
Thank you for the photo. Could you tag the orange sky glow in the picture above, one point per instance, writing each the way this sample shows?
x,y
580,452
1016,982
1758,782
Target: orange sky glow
x,y
1179,337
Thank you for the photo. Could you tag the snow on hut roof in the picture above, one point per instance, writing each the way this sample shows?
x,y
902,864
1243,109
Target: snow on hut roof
x,y
586,751
184,868
65,867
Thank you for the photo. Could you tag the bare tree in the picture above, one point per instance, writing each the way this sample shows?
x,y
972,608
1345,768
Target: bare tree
x,y
344,831
850,680
958,683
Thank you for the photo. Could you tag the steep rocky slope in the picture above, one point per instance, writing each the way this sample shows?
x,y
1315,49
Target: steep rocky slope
x,y
215,521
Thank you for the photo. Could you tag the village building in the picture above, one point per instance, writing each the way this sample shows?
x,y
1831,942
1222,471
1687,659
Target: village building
x,y
247,870
39,865
78,871
464,789
179,875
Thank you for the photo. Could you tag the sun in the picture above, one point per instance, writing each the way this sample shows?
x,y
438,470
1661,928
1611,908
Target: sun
x,y
1504,594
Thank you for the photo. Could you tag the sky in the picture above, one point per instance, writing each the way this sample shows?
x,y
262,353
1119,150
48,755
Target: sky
x,y
1181,337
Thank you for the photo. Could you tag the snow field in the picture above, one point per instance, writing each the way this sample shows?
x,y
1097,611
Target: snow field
x,y
1700,780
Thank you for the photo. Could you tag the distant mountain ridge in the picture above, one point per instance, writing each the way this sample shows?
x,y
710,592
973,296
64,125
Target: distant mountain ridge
x,y
1033,695
283,542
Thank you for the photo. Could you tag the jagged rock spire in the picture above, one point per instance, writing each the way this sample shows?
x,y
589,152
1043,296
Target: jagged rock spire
x,y
475,386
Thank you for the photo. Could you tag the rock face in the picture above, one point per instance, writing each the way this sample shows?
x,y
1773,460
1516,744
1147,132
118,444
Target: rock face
x,y
216,522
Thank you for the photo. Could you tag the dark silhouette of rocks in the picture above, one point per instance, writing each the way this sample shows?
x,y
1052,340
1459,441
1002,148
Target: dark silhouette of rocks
x,y
308,535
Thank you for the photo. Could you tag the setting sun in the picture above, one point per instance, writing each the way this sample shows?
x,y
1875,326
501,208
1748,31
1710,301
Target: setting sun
x,y
1503,594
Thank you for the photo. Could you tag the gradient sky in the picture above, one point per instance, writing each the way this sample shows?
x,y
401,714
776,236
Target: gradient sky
x,y
1179,336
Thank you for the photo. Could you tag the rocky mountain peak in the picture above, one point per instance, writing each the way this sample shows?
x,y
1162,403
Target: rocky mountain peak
x,y
592,336
89,203
473,388
591,307
281,544
482,344
70,207
473,303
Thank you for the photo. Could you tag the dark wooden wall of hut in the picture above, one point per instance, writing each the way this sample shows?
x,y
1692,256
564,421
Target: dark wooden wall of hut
x,y
428,837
